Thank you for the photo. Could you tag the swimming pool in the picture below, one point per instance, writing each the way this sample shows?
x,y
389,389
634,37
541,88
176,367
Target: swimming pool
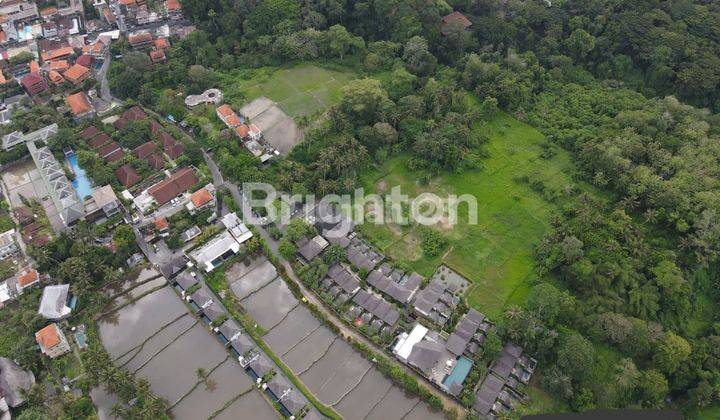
x,y
459,373
82,184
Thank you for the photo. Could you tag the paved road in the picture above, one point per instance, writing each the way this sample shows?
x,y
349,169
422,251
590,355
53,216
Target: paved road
x,y
311,297
102,75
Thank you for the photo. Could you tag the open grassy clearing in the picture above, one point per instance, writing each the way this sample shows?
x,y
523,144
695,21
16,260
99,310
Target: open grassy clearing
x,y
496,254
299,91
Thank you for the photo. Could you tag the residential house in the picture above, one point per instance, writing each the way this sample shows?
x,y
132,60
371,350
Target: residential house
x,y
27,278
127,175
184,281
34,84
362,256
80,105
214,252
377,307
454,19
259,367
395,283
57,66
173,186
102,204
52,341
162,226
435,303
173,8
144,150
141,41
110,152
200,299
56,302
344,283
236,227
157,56
286,396
191,233
254,132
77,74
156,161
8,247
201,199
62,53
99,141
175,265
85,60
309,249
172,147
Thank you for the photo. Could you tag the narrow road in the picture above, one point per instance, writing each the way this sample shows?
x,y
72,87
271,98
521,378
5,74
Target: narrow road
x,y
310,296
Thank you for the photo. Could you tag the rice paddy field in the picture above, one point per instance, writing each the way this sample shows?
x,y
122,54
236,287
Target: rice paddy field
x,y
299,91
496,254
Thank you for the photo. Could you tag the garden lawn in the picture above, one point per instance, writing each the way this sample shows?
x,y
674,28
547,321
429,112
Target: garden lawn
x,y
299,91
496,254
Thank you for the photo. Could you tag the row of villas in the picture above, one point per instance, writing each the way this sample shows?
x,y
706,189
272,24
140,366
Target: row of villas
x,y
266,375
445,360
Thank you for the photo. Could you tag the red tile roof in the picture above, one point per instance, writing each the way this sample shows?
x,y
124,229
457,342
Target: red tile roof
x,y
28,278
161,223
172,5
127,175
162,43
157,56
101,140
233,120
108,149
201,197
156,161
171,187
454,17
57,54
225,110
79,104
242,130
134,113
84,60
77,74
34,83
144,150
114,156
48,337
89,132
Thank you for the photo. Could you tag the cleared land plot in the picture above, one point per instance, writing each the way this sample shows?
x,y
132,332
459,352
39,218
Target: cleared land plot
x,y
300,90
278,128
245,280
496,253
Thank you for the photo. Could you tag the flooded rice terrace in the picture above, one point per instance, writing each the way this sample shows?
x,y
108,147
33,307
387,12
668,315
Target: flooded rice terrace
x,y
337,374
157,338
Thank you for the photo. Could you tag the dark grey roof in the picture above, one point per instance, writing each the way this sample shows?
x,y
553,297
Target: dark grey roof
x,y
456,344
287,395
171,268
425,355
13,380
311,248
214,311
229,329
202,297
503,366
242,344
343,279
185,280
487,394
513,349
260,365
475,316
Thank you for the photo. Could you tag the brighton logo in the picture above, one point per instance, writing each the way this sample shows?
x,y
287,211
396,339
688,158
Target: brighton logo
x,y
262,205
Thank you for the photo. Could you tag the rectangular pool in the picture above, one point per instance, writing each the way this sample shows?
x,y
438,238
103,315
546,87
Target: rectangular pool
x,y
81,183
459,373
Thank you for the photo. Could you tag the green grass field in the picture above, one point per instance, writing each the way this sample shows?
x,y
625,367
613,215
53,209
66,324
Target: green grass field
x,y
299,91
496,254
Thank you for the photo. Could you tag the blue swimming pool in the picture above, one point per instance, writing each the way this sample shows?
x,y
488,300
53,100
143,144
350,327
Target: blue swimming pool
x,y
459,373
82,184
